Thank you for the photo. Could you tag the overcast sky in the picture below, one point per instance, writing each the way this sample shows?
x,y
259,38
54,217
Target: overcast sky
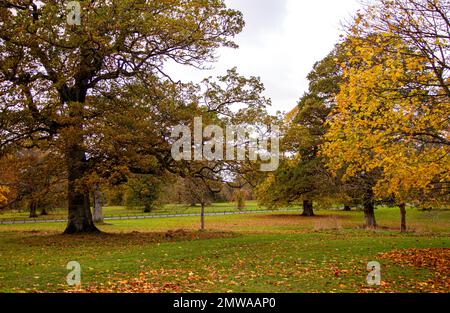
x,y
280,43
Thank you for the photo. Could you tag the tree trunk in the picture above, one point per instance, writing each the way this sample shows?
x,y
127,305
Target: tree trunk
x,y
347,208
98,210
202,217
369,216
369,210
44,212
32,207
80,217
402,207
308,208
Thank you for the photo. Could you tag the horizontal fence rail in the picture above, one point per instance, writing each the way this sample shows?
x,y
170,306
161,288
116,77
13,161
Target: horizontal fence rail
x,y
11,221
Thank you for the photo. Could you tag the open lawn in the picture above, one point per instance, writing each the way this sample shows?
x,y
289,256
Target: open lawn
x,y
271,252
109,211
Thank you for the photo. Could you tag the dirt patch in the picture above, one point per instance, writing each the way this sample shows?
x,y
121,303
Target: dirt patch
x,y
328,223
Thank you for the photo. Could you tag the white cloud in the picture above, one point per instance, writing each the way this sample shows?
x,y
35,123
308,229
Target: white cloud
x,y
280,43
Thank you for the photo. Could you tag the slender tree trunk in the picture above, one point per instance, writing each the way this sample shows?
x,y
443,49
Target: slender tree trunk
x,y
402,207
202,217
308,208
347,208
369,210
80,217
32,207
98,210
44,212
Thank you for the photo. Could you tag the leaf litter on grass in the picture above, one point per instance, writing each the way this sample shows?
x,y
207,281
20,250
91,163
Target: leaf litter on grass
x,y
434,260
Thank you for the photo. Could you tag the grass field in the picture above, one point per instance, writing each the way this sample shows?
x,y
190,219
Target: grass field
x,y
108,211
270,252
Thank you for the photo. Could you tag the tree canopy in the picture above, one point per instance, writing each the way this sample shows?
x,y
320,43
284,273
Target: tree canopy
x,y
97,92
392,112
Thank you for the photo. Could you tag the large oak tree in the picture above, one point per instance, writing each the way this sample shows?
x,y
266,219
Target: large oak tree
x,y
97,92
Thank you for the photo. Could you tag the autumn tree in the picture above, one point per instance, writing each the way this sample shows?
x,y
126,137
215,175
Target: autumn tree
x,y
190,191
392,113
239,196
92,90
32,177
3,195
143,191
302,175
199,191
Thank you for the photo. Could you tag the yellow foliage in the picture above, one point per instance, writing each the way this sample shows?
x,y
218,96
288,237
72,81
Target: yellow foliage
x,y
383,120
3,194
291,115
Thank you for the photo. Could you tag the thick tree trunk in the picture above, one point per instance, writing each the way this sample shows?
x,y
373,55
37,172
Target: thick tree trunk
x,y
308,208
32,207
347,208
369,216
80,217
369,210
403,217
202,217
98,210
44,212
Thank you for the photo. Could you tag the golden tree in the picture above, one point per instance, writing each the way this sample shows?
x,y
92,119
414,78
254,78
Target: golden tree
x,y
392,112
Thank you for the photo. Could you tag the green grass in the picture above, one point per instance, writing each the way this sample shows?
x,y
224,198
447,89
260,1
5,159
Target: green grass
x,y
60,213
279,252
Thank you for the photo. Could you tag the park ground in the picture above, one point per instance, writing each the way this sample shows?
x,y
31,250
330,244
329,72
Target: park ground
x,y
259,252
